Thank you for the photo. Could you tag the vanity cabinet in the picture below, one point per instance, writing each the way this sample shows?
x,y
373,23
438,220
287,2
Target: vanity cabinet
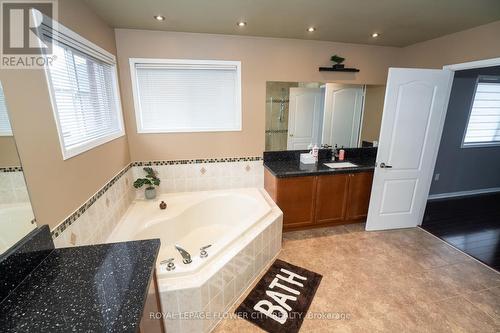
x,y
295,196
318,201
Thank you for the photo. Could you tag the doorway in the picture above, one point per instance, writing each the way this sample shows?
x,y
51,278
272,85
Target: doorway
x,y
463,206
403,174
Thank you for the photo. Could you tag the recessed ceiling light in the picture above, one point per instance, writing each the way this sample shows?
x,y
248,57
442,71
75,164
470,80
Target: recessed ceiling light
x,y
159,17
311,29
375,34
241,24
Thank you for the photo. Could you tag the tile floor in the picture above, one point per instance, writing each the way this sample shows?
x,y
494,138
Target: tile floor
x,y
390,281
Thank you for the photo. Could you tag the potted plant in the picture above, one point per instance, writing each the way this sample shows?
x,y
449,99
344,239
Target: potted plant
x,y
150,181
338,60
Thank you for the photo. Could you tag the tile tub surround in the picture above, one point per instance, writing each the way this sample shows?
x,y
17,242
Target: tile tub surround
x,y
110,203
99,288
95,219
13,186
402,280
228,279
204,174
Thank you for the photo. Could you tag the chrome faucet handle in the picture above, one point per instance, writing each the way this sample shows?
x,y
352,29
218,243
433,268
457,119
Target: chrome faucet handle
x,y
203,252
170,264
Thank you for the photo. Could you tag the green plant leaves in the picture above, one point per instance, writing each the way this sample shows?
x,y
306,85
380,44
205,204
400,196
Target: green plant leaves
x,y
151,179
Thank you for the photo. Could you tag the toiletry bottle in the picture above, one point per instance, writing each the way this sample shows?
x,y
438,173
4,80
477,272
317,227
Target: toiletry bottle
x,y
315,152
341,154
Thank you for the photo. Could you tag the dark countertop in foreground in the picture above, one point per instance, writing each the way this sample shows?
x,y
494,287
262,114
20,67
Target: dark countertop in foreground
x,y
99,288
293,168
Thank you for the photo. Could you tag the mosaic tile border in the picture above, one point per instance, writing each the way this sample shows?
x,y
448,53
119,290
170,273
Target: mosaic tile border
x,y
197,161
77,213
11,169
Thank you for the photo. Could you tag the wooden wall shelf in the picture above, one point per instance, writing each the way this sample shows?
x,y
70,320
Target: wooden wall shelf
x,y
333,69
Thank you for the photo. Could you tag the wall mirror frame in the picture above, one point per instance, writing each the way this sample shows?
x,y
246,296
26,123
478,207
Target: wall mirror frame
x,y
299,114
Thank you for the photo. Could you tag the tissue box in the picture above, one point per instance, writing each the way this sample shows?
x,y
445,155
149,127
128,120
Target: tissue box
x,y
307,159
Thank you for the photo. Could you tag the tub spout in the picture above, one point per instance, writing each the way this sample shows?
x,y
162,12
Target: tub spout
x,y
186,257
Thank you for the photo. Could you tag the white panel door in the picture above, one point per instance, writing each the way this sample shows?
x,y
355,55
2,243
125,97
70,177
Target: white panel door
x,y
304,117
414,110
344,123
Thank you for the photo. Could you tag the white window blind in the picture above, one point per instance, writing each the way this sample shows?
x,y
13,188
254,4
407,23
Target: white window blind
x,y
483,127
5,129
186,95
84,92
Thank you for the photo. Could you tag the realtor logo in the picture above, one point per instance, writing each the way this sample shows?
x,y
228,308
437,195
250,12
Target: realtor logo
x,y
22,43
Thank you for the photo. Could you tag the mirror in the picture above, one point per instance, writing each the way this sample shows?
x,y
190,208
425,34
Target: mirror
x,y
327,114
16,215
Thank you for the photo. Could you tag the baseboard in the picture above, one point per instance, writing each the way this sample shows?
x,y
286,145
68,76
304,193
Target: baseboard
x,y
463,193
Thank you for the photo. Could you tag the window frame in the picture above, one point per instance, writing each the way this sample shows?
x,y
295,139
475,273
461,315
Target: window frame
x,y
465,145
88,49
137,106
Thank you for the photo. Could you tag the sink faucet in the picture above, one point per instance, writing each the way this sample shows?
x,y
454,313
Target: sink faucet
x,y
186,257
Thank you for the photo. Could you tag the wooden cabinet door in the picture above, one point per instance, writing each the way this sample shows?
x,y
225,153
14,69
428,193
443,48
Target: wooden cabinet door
x,y
358,195
295,197
331,195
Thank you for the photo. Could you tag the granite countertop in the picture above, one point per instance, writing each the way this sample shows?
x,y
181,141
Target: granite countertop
x,y
98,288
286,163
293,168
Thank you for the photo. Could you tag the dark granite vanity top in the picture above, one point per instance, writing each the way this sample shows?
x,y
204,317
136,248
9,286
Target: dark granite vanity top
x,y
287,163
99,288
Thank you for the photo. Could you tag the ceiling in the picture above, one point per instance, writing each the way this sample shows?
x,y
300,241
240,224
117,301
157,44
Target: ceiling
x,y
400,22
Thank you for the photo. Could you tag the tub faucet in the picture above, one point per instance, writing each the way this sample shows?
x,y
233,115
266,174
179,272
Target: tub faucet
x,y
186,257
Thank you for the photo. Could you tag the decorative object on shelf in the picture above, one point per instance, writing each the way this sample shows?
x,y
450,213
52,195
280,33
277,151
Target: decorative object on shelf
x,y
338,66
163,205
338,61
151,181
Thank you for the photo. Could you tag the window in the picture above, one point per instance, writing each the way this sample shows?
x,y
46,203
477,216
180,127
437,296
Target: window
x,y
5,129
186,95
483,127
84,91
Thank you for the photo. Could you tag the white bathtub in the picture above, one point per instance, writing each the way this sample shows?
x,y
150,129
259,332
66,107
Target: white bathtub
x,y
243,227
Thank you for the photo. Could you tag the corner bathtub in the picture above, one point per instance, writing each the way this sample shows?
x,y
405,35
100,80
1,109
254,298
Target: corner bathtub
x,y
242,226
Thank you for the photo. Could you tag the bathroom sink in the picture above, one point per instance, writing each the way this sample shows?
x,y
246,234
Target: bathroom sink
x,y
340,165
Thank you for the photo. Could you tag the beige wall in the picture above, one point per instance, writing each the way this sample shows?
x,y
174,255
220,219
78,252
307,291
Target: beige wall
x,y
478,43
372,116
58,187
8,152
263,59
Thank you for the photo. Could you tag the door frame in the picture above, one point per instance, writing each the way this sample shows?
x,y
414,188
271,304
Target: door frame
x,y
454,68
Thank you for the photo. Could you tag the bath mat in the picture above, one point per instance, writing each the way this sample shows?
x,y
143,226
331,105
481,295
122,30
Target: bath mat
x,y
280,300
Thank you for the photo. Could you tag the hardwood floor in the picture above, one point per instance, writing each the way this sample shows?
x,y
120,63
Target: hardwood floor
x,y
470,224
